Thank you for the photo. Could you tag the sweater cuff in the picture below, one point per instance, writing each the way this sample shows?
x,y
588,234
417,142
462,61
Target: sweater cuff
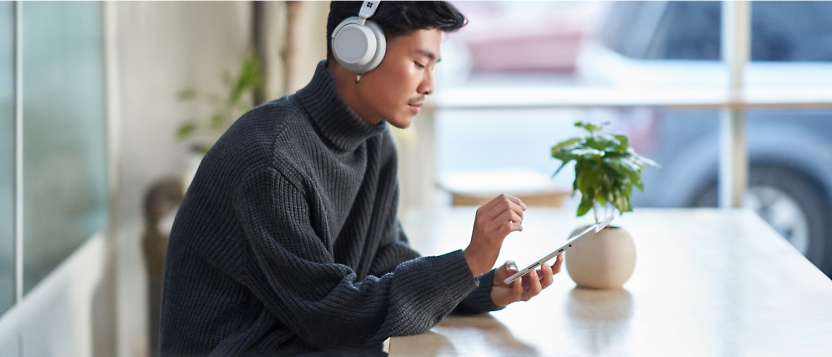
x,y
479,300
454,268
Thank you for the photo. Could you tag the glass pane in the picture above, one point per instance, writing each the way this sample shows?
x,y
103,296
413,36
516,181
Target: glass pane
x,y
6,155
65,178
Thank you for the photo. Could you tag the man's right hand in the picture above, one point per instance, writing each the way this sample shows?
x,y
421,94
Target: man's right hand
x,y
494,221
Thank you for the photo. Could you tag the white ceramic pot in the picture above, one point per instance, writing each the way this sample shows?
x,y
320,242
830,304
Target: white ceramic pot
x,y
605,260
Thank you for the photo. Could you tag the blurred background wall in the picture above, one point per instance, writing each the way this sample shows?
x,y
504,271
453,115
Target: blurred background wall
x,y
163,48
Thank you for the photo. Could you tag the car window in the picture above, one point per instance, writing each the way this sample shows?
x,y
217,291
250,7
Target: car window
x,y
791,31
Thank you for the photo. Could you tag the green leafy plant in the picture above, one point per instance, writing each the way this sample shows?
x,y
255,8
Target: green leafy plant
x,y
226,108
606,168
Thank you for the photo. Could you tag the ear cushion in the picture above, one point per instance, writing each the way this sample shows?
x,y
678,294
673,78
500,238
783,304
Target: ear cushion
x,y
357,48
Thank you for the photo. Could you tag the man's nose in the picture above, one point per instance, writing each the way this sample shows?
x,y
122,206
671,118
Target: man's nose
x,y
426,87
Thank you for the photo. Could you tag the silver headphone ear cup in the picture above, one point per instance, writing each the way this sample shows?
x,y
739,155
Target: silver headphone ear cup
x,y
381,47
348,35
354,46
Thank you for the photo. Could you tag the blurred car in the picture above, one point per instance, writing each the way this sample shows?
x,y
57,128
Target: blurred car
x,y
649,44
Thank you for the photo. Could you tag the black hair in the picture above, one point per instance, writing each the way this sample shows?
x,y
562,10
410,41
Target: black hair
x,y
398,18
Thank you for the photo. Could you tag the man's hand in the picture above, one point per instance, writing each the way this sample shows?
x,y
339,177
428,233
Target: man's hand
x,y
525,287
494,221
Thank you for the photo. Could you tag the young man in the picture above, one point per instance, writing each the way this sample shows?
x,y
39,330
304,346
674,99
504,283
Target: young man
x,y
287,241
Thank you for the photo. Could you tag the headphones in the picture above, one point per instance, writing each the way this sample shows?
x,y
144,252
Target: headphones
x,y
357,44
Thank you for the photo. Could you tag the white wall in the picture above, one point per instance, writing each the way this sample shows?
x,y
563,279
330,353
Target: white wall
x,y
163,48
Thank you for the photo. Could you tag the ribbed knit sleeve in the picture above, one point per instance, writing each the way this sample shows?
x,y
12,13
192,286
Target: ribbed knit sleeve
x,y
323,302
479,300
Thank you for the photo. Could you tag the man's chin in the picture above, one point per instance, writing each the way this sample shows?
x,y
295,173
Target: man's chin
x,y
401,123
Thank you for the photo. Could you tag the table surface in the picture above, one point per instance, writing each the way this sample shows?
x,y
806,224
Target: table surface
x,y
707,282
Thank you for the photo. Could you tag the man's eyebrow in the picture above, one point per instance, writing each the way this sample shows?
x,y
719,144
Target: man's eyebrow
x,y
429,55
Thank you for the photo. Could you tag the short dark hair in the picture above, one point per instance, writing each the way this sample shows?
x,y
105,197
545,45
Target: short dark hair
x,y
398,18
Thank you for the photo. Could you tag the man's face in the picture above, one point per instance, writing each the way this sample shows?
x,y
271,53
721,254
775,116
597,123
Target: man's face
x,y
395,91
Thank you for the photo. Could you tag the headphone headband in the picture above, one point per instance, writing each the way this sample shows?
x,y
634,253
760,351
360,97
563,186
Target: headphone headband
x,y
368,9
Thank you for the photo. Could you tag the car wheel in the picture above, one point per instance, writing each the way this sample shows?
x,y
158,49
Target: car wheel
x,y
792,203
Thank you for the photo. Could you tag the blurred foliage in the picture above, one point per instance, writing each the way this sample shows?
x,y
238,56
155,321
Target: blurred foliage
x,y
606,168
236,100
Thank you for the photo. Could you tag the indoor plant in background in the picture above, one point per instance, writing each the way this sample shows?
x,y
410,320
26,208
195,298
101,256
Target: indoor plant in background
x,y
226,108
606,170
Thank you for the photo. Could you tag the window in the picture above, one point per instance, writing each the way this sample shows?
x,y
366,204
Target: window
x,y
64,185
7,120
643,48
64,148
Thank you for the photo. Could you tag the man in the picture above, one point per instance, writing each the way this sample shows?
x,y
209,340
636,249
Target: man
x,y
287,241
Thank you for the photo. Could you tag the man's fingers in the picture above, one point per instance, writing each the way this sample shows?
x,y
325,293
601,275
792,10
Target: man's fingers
x,y
558,264
508,269
517,288
508,228
516,200
495,201
533,288
545,275
501,220
506,201
530,285
504,197
496,212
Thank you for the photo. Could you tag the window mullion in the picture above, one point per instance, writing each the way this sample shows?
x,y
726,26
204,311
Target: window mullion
x,y
736,51
18,161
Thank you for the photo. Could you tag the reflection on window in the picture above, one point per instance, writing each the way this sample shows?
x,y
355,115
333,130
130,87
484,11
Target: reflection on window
x,y
65,182
7,289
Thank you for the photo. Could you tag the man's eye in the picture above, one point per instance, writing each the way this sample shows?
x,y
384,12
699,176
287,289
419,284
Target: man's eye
x,y
419,65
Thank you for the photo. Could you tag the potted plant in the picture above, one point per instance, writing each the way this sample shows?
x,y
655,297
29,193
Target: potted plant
x,y
226,108
606,170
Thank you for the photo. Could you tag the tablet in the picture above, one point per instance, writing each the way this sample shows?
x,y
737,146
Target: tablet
x,y
585,233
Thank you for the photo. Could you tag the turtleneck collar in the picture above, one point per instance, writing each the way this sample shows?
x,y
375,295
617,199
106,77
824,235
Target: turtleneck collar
x,y
333,118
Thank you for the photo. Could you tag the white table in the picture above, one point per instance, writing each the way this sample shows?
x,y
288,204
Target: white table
x,y
707,283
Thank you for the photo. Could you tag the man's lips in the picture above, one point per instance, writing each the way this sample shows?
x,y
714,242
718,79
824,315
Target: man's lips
x,y
416,107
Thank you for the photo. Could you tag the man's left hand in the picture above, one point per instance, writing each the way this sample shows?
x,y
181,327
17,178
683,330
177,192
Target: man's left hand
x,y
525,287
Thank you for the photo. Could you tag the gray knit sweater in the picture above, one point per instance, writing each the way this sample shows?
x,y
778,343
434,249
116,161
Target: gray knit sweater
x,y
287,240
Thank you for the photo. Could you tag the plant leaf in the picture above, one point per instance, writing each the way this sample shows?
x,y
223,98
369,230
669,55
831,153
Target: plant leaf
x,y
218,121
560,168
591,127
585,206
563,144
603,142
588,153
646,160
186,129
623,143
186,94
